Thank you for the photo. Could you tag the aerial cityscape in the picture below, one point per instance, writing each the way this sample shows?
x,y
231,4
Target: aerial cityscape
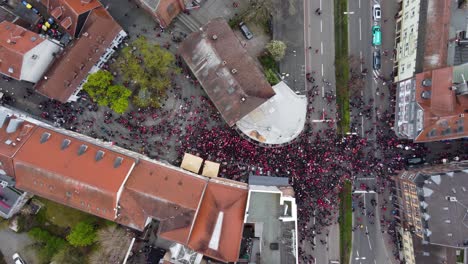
x,y
234,131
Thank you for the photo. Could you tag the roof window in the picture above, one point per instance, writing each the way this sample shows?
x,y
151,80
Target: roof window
x,y
99,155
65,143
118,162
82,149
45,136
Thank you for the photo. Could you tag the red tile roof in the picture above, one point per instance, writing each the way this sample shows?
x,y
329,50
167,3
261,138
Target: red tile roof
x,y
54,166
70,12
167,194
15,42
73,65
444,110
230,77
11,142
226,203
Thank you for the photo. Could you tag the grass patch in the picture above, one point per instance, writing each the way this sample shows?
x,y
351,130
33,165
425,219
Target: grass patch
x,y
346,222
270,68
342,65
61,216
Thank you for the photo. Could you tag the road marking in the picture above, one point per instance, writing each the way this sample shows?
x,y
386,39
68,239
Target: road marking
x,y
321,47
359,3
360,30
321,25
320,4
322,69
375,261
357,253
368,239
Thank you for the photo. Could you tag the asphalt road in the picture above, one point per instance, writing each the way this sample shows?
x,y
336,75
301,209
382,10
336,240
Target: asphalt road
x,y
368,243
320,58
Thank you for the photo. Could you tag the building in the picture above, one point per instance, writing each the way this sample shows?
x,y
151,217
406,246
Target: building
x,y
201,214
433,105
24,55
164,11
84,37
270,223
96,36
433,200
229,76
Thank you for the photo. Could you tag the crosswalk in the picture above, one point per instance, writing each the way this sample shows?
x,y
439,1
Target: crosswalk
x,y
376,76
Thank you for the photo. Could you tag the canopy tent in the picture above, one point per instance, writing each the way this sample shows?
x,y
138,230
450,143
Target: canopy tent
x,y
191,163
210,169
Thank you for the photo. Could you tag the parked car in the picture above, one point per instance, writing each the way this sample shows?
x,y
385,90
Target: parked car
x,y
415,160
376,36
376,60
245,30
17,259
376,12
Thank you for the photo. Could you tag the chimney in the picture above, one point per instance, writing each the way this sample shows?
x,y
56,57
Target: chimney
x,y
214,37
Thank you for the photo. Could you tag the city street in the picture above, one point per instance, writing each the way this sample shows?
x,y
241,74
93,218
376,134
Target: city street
x,y
320,59
368,242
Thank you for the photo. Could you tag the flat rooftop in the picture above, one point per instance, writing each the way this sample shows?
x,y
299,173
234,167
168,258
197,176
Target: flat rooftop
x,y
264,210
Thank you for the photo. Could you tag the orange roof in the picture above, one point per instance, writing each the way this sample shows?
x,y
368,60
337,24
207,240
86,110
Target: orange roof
x,y
444,116
15,42
73,65
13,133
167,194
72,171
70,10
217,232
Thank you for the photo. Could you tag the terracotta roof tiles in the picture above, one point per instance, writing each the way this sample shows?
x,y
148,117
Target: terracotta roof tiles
x,y
230,77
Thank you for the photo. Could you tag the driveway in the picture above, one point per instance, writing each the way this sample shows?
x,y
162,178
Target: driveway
x,y
11,242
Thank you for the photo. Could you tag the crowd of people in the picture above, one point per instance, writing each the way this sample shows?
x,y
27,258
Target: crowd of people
x,y
318,162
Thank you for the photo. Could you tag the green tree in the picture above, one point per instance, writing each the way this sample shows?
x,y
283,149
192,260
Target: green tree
x,y
100,89
69,255
277,49
148,68
47,244
83,234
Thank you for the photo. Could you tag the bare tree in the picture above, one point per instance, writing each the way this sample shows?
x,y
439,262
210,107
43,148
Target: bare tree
x,y
113,244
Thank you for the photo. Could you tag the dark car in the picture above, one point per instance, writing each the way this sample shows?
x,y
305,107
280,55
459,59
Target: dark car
x,y
376,60
415,160
245,30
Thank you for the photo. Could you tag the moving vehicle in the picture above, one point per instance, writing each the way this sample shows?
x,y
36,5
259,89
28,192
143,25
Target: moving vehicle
x,y
376,60
17,259
245,30
376,12
376,36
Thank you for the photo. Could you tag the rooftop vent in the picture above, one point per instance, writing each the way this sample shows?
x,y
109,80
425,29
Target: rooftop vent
x,y
426,95
82,149
233,71
448,221
11,41
34,56
427,83
224,62
65,143
45,136
99,155
33,38
117,162
214,37
243,99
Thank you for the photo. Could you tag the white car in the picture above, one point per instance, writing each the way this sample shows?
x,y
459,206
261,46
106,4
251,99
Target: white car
x,y
17,259
376,12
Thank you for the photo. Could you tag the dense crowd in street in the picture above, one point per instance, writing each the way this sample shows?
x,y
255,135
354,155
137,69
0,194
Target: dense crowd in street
x,y
318,162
